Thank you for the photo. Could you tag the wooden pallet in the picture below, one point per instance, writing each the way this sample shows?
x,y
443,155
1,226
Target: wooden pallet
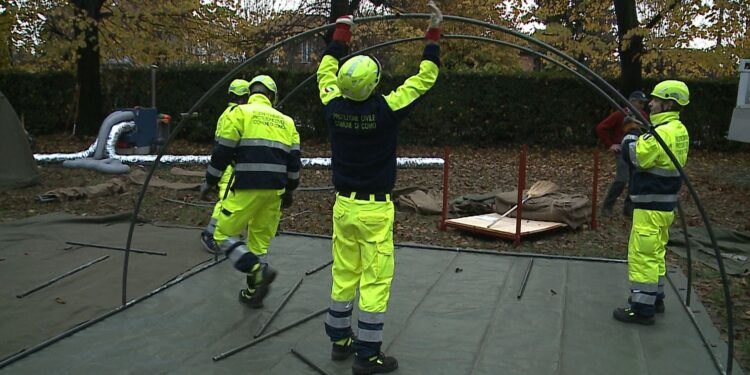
x,y
505,228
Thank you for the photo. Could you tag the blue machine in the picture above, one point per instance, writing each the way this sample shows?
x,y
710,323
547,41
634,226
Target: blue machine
x,y
145,132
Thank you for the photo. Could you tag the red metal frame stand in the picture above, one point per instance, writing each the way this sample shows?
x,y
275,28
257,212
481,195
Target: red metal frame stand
x,y
521,186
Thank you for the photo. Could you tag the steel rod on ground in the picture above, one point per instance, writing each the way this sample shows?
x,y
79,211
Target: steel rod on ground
x,y
278,308
308,362
320,267
116,248
66,274
268,335
525,279
204,205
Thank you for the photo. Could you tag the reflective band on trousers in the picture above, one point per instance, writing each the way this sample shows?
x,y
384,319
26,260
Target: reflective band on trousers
x,y
645,299
226,142
372,318
237,252
227,243
335,322
292,175
648,198
643,287
260,167
369,335
341,306
247,142
212,224
214,172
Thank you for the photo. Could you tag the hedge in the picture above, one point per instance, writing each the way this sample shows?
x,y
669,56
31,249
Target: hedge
x,y
462,108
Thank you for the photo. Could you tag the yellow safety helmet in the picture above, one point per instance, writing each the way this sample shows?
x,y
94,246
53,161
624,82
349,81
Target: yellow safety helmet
x,y
672,90
268,83
358,77
239,87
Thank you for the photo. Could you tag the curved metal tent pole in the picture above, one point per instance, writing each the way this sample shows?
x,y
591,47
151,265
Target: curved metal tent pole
x,y
222,81
474,38
570,70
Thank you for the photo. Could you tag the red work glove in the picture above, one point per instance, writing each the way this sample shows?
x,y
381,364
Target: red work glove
x,y
343,32
433,32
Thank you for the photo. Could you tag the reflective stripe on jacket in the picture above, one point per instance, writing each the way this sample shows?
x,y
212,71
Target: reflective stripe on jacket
x,y
263,144
656,181
364,134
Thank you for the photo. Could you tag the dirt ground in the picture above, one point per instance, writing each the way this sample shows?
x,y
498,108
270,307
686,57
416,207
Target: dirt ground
x,y
721,180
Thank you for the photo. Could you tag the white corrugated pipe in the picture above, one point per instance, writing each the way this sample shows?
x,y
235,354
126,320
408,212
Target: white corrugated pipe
x,y
108,148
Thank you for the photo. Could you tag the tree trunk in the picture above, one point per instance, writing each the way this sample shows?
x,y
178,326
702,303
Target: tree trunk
x,y
630,49
89,79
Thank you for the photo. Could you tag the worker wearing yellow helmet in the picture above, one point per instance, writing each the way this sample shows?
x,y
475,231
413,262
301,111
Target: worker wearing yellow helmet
x,y
264,147
654,190
238,92
363,127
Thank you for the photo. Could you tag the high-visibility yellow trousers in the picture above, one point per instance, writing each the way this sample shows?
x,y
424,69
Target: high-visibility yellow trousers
x,y
363,252
646,251
223,186
258,210
362,257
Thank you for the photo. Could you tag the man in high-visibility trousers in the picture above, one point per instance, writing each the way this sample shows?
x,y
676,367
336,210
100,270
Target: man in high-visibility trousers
x,y
263,144
239,90
654,189
363,128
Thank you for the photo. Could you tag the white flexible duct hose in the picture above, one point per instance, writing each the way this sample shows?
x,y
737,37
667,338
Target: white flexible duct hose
x,y
48,158
205,159
122,127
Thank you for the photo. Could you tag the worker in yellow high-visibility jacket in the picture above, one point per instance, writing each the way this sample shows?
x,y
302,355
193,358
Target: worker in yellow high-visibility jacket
x,y
654,190
264,146
239,90
363,128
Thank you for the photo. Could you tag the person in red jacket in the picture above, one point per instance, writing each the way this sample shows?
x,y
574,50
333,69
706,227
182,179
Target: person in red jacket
x,y
610,133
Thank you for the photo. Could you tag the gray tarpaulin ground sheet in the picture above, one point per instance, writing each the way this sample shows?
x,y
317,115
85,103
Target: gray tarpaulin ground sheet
x,y
734,246
33,251
451,312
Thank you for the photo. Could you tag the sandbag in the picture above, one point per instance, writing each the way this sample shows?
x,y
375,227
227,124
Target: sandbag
x,y
420,200
112,187
571,209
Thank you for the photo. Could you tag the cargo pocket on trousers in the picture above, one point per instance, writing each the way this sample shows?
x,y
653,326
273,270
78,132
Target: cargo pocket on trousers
x,y
384,260
373,226
646,241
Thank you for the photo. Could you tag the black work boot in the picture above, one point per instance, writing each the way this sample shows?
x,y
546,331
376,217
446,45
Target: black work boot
x,y
628,315
658,305
342,349
377,364
258,285
246,297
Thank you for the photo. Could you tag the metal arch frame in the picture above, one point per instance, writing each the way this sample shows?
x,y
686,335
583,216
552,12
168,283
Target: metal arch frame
x,y
465,37
597,80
